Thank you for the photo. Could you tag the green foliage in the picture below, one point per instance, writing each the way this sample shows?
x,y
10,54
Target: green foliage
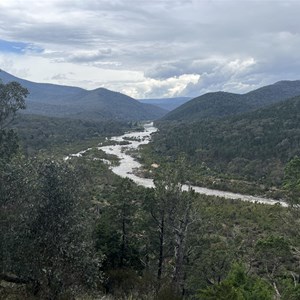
x,y
220,104
292,180
74,226
238,286
291,290
210,105
63,136
275,259
273,245
12,98
251,147
9,145
118,241
47,228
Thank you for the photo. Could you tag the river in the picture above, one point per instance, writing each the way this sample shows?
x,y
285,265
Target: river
x,y
128,164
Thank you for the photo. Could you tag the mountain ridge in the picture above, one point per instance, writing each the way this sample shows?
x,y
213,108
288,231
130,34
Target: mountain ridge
x,y
221,104
53,100
253,146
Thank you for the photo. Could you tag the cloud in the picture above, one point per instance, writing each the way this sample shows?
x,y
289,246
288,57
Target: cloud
x,y
89,56
157,47
156,88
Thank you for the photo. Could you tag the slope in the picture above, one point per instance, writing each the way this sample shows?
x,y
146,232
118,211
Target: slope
x,y
220,104
166,103
64,101
112,105
253,146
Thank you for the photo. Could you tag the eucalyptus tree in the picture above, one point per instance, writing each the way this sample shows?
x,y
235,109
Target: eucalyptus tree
x,y
117,229
171,213
45,215
12,99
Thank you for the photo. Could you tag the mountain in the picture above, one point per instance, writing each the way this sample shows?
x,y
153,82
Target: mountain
x,y
42,92
166,103
210,105
220,104
273,93
251,146
100,104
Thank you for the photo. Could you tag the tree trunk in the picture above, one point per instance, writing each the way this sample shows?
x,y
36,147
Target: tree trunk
x,y
161,248
123,244
180,235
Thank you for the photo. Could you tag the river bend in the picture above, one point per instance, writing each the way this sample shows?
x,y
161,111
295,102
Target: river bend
x,y
128,164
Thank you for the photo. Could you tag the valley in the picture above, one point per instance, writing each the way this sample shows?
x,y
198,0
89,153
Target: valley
x,y
128,167
124,208
149,150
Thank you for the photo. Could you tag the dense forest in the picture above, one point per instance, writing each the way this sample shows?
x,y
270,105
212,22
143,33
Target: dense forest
x,y
74,230
244,152
221,104
61,135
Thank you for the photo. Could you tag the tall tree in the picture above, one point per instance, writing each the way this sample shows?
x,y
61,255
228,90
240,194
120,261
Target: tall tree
x,y
117,227
12,99
171,211
48,238
44,216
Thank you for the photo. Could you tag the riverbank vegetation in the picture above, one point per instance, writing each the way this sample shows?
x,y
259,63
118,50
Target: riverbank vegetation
x,y
49,135
245,153
74,230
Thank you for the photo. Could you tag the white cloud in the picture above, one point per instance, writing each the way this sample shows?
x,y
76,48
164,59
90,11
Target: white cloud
x,y
158,47
157,88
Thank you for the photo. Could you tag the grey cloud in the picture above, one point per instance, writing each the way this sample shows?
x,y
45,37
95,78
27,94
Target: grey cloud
x,y
177,68
166,38
261,73
59,77
94,56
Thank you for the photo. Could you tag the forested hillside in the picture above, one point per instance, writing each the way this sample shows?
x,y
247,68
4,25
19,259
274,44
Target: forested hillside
x,y
220,104
62,135
254,147
74,230
71,102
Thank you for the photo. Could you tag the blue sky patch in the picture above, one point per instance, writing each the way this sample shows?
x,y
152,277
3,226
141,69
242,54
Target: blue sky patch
x,y
18,47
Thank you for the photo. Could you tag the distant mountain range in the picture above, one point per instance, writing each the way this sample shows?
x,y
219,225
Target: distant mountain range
x,y
166,103
220,104
100,104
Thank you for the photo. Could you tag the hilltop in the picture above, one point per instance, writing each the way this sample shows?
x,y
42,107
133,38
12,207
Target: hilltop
x,y
221,104
100,104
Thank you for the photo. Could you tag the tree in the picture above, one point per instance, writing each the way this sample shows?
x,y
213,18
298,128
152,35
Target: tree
x,y
171,213
238,285
292,181
48,240
271,253
45,222
12,99
117,227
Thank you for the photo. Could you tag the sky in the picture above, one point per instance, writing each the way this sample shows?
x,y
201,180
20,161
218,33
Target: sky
x,y
152,49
